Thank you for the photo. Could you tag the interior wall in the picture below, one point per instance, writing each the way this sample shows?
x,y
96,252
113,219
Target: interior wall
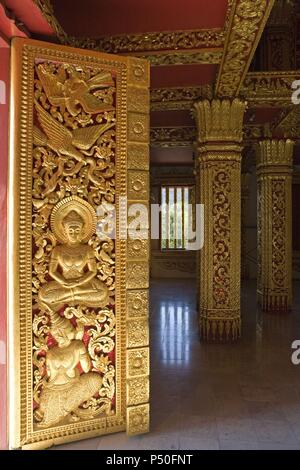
x,y
183,264
170,264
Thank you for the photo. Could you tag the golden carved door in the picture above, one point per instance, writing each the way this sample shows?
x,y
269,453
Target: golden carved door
x,y
78,296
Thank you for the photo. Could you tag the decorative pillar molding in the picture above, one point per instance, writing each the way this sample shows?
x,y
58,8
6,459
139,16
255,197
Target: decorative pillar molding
x,y
274,224
244,201
220,134
197,201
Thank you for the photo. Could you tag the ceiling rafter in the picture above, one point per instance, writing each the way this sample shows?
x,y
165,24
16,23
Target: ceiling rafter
x,y
245,27
287,124
161,41
260,89
184,47
185,136
263,89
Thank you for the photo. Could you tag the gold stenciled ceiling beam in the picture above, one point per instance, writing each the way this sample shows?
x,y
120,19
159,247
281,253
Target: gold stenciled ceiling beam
x,y
245,27
178,98
264,89
185,57
161,41
260,90
200,46
287,123
166,137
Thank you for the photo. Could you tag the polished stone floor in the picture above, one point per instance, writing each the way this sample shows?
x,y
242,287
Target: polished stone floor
x,y
206,396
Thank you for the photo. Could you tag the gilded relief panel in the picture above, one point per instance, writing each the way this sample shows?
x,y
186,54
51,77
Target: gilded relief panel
x,y
138,185
137,303
68,159
137,359
137,390
137,333
138,127
138,156
138,419
138,362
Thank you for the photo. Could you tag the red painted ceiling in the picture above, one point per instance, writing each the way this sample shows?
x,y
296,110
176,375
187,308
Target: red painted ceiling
x,y
183,75
30,15
93,18
8,28
108,17
171,119
169,156
260,115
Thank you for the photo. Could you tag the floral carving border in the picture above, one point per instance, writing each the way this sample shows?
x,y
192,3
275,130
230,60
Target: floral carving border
x,y
164,137
199,46
128,71
247,21
259,89
274,173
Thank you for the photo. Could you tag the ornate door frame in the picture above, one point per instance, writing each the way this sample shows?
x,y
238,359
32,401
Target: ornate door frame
x,y
45,172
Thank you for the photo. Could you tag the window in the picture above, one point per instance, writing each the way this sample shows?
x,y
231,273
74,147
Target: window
x,y
175,217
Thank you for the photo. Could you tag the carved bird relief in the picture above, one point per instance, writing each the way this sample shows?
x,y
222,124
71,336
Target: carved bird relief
x,y
69,92
62,140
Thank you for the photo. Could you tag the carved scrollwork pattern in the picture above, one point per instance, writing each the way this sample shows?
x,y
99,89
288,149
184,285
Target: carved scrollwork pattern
x,y
68,281
161,41
137,283
185,58
268,88
278,232
172,136
74,155
137,303
221,236
138,419
274,169
138,390
259,237
138,362
245,28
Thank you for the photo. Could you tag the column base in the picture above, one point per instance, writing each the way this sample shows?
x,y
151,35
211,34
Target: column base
x,y
224,329
274,303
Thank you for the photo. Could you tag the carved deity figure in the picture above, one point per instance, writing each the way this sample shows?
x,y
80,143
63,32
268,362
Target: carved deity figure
x,y
66,388
73,269
73,265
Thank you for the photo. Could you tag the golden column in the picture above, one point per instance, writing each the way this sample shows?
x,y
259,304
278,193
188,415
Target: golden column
x,y
274,224
244,202
220,134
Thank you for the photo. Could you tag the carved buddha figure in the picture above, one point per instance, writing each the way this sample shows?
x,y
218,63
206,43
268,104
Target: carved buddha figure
x,y
73,265
66,388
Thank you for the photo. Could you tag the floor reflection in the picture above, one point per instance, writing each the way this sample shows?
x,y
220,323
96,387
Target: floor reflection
x,y
174,332
217,396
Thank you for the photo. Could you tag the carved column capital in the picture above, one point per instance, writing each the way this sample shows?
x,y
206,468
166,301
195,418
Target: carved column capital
x,y
275,155
220,120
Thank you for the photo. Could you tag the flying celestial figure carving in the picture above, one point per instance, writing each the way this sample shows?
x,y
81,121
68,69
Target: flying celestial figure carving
x,y
68,92
63,140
